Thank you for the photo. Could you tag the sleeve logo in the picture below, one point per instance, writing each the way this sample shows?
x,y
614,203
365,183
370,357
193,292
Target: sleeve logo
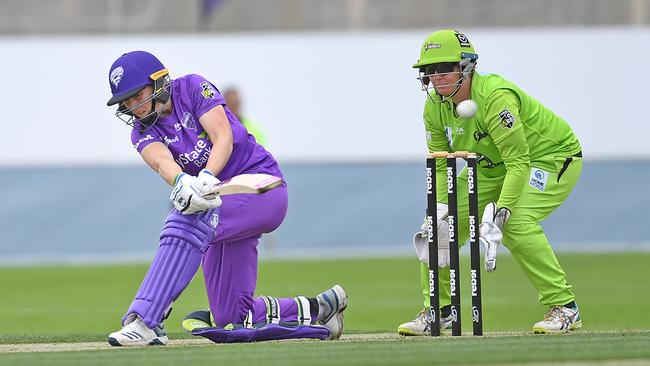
x,y
207,90
507,119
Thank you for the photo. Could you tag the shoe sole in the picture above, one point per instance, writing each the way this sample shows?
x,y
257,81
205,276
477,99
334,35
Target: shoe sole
x,y
160,341
190,325
342,300
575,326
409,333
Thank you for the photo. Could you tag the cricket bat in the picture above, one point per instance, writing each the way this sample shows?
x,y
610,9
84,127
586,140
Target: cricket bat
x,y
245,183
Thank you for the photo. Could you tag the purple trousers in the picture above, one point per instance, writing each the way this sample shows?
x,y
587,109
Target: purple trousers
x,y
230,262
225,240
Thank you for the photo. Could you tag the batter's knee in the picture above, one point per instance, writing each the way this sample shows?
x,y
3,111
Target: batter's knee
x,y
233,311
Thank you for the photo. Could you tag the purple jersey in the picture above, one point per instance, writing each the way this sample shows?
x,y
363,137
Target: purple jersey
x,y
181,132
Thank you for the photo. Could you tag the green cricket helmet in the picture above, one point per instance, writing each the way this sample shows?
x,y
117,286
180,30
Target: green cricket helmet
x,y
445,46
440,53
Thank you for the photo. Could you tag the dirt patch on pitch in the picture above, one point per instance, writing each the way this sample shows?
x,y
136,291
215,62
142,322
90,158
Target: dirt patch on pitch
x,y
89,346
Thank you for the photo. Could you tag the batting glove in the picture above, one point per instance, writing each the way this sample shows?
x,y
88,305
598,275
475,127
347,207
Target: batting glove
x,y
187,198
205,181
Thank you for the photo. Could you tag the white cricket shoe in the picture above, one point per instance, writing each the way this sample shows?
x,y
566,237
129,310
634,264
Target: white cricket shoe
x,y
559,319
136,333
331,305
420,326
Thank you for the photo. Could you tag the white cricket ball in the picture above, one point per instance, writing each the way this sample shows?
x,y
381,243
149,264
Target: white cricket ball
x,y
466,108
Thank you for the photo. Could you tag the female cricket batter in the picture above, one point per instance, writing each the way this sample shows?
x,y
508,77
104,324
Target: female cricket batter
x,y
184,131
529,162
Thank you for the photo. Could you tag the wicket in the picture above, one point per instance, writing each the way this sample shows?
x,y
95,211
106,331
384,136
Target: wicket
x,y
454,262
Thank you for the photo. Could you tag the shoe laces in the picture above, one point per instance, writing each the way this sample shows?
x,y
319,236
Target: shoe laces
x,y
423,316
561,314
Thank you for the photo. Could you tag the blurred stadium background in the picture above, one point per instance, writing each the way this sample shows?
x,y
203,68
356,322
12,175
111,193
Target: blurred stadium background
x,y
331,84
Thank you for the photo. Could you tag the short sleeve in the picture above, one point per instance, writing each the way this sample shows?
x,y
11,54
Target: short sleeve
x,y
204,95
141,139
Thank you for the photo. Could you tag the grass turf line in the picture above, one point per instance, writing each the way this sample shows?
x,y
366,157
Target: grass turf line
x,y
584,347
85,303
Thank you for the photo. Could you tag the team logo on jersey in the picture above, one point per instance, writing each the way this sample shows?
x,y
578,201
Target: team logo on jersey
x,y
188,121
538,179
207,90
507,119
116,75
429,46
462,39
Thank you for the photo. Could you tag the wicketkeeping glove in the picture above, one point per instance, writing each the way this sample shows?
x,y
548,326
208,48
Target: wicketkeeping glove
x,y
421,238
494,219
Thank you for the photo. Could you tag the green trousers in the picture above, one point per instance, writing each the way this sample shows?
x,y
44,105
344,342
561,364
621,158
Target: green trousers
x,y
522,235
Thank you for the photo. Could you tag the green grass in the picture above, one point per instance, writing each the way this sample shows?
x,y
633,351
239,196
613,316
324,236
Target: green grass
x,y
85,303
407,351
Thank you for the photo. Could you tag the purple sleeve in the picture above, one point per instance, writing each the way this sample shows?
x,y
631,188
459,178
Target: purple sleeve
x,y
205,96
140,140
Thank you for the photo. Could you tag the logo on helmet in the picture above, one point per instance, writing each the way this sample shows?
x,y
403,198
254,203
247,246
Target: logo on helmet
x,y
429,46
116,75
463,40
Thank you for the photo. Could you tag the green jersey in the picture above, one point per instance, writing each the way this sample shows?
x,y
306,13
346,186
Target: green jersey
x,y
510,132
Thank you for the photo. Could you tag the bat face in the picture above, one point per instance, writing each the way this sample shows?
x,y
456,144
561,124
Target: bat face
x,y
245,184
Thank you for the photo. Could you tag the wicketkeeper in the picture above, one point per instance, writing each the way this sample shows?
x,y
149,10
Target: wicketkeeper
x,y
184,131
529,161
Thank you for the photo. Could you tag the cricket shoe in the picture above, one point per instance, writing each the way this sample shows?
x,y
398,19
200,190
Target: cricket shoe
x,y
197,320
558,320
136,333
421,325
331,305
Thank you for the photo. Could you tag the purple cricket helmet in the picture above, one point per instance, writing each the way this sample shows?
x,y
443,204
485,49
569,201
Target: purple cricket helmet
x,y
129,74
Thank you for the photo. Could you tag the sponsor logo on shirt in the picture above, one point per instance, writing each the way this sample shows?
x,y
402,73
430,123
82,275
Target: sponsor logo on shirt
x,y
538,179
480,135
146,138
460,131
169,140
207,90
428,135
462,39
507,119
198,156
116,75
188,121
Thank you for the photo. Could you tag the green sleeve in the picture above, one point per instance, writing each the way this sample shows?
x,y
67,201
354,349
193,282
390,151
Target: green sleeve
x,y
504,126
437,141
